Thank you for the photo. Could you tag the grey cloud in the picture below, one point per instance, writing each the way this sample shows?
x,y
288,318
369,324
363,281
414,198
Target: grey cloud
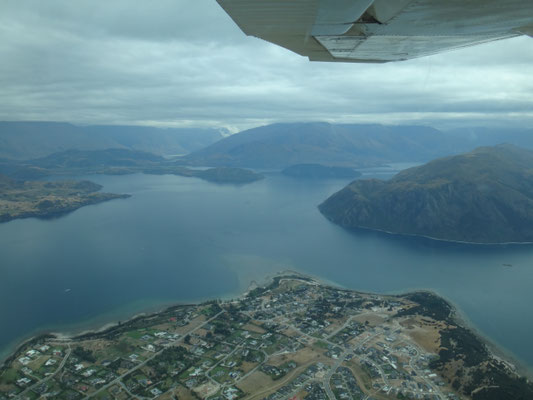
x,y
172,62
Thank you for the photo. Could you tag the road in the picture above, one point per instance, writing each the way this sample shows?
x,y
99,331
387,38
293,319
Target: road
x,y
428,382
61,365
339,361
117,380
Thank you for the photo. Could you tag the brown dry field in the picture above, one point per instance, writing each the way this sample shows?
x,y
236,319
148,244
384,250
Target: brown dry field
x,y
123,396
185,394
256,380
253,328
247,366
291,333
182,330
94,345
372,319
302,356
201,332
206,389
167,396
38,362
167,326
426,335
262,391
5,388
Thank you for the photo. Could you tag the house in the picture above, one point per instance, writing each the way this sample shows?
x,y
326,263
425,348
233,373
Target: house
x,y
231,393
149,347
89,372
32,353
24,360
23,381
50,362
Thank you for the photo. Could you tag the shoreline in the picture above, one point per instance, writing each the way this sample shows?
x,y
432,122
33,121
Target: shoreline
x,y
96,325
457,315
98,329
415,235
496,350
4,218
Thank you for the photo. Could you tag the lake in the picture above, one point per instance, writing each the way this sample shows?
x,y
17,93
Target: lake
x,y
181,239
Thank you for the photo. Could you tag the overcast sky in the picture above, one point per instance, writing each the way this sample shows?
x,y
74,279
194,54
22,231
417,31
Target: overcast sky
x,y
185,63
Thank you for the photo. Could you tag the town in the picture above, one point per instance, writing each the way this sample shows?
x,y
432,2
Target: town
x,y
292,339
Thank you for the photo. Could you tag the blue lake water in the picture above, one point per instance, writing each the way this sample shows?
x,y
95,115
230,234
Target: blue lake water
x,y
182,239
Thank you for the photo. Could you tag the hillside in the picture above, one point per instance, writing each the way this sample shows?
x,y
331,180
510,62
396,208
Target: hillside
x,y
279,146
485,196
27,140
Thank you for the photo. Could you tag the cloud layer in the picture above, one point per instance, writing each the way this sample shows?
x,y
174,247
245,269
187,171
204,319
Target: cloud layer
x,y
185,63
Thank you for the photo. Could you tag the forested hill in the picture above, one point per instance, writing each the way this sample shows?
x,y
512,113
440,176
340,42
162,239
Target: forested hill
x,y
485,196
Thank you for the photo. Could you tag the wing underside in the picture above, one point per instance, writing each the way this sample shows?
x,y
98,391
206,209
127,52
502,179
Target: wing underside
x,y
379,30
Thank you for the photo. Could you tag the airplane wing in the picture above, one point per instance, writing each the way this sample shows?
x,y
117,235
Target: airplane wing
x,y
379,30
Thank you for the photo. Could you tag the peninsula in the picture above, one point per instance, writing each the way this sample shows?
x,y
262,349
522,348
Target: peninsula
x,y
294,338
47,199
485,196
118,162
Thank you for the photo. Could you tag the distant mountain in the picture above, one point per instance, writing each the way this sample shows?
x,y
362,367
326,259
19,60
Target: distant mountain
x,y
485,196
96,159
317,171
281,145
27,140
274,146
163,141
470,138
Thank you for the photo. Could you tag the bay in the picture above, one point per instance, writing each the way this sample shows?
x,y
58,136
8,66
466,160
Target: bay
x,y
181,239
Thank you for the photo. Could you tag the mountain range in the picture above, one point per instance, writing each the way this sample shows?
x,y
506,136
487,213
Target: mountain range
x,y
279,146
275,146
28,140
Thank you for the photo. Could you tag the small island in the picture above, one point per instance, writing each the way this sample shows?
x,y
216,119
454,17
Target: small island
x,y
293,337
216,175
317,171
47,199
485,196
